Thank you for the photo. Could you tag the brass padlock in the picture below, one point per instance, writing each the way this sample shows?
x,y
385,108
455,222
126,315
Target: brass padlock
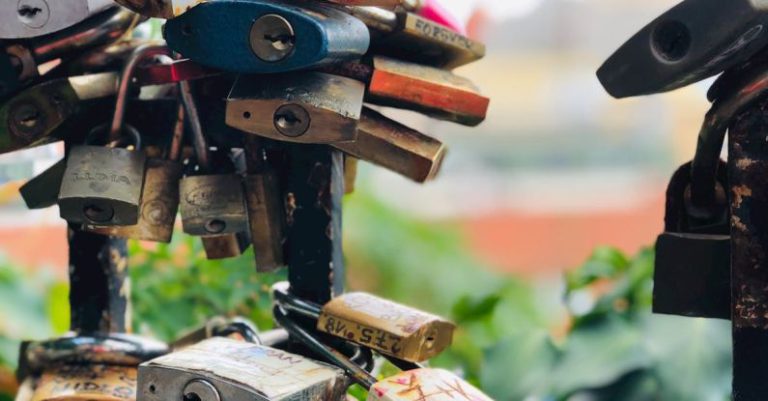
x,y
394,146
413,383
421,384
42,191
266,219
212,205
411,37
102,185
91,382
159,199
221,369
311,107
389,328
432,91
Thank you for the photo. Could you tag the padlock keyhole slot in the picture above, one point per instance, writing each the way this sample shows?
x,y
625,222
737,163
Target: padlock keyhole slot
x,y
671,41
215,226
191,397
97,213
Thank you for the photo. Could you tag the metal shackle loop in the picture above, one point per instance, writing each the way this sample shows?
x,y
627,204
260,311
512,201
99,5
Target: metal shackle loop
x,y
139,54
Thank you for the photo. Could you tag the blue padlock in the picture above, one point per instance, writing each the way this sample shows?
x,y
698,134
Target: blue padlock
x,y
255,36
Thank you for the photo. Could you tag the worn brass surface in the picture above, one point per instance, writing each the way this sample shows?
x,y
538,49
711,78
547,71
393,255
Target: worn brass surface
x,y
266,217
102,185
387,327
312,107
389,144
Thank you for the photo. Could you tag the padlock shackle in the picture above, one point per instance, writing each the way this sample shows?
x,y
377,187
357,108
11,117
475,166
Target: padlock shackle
x,y
282,296
199,141
712,134
126,130
139,54
354,371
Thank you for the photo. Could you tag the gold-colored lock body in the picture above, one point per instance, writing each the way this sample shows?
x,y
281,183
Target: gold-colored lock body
x,y
425,384
394,146
159,205
385,326
86,383
266,216
102,186
213,205
311,107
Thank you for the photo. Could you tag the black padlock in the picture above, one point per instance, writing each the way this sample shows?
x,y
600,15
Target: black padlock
x,y
692,41
692,276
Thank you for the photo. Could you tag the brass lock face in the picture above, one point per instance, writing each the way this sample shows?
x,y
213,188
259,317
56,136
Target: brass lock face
x,y
102,186
87,383
266,218
159,205
385,326
220,369
311,107
422,384
225,246
42,191
389,144
213,205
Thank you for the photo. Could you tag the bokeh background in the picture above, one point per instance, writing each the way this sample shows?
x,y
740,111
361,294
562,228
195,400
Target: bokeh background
x,y
537,238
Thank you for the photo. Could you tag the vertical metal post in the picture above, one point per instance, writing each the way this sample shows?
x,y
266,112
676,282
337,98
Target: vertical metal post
x,y
748,176
99,293
314,187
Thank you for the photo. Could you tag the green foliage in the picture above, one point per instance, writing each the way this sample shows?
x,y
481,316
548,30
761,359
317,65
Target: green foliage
x,y
590,338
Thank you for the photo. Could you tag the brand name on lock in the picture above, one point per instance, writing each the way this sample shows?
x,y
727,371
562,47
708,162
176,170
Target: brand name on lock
x,y
101,178
209,197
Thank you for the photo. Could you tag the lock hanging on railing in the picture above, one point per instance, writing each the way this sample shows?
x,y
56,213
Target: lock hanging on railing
x,y
389,328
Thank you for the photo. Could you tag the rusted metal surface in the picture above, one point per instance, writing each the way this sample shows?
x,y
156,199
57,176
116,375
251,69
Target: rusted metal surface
x,y
314,187
99,293
748,152
87,383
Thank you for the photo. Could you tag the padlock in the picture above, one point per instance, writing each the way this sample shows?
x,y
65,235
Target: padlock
x,y
221,369
102,185
692,272
389,328
159,198
91,382
20,61
311,107
350,173
692,41
414,383
421,384
432,91
32,117
212,205
407,36
389,144
260,36
266,219
31,18
42,191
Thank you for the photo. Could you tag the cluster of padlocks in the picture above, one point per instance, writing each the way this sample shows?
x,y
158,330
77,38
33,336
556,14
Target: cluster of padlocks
x,y
200,126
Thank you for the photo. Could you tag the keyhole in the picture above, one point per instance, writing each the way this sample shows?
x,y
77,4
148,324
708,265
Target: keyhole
x,y
29,11
292,120
281,41
671,41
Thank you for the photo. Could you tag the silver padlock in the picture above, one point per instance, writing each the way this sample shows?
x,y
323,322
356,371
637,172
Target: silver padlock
x,y
221,369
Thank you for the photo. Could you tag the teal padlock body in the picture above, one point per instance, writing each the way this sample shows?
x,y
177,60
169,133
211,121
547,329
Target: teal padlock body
x,y
226,34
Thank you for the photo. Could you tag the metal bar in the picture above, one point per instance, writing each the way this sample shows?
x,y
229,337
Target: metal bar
x,y
748,162
313,193
99,294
